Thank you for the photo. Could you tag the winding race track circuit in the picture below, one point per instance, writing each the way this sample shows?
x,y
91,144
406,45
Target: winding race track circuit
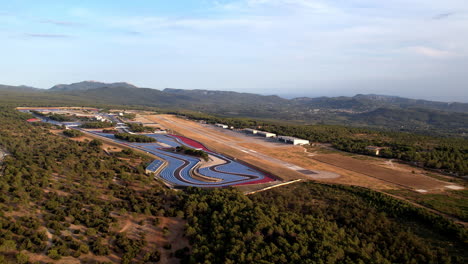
x,y
179,169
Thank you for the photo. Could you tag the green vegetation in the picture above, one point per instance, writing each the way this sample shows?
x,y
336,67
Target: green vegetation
x,y
78,192
316,223
129,116
110,131
95,143
453,203
70,188
192,152
389,113
139,128
72,133
61,118
97,124
56,117
134,138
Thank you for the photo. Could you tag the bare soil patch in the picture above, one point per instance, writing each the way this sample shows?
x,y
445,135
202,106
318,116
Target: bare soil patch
x,y
395,176
170,230
213,161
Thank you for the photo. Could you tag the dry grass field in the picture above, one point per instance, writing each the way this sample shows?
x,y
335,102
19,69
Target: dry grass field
x,y
395,175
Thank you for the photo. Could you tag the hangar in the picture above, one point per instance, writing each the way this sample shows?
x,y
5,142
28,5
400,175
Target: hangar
x,y
293,140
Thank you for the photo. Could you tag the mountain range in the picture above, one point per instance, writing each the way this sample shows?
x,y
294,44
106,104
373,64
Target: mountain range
x,y
88,85
361,110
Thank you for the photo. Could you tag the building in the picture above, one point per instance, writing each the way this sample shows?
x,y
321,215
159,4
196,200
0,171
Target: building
x,y
266,134
250,131
222,125
293,140
374,149
259,133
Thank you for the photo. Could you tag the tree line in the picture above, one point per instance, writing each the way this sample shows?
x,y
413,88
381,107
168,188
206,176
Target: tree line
x,y
134,138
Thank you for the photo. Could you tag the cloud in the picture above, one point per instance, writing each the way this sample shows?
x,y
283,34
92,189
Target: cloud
x,y
443,15
317,6
37,35
133,33
59,23
140,25
431,52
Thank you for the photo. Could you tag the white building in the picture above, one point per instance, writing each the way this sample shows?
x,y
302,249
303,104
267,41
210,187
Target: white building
x,y
251,131
374,149
293,140
222,125
266,134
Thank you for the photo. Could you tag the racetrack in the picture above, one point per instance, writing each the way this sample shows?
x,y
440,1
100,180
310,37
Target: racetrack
x,y
180,169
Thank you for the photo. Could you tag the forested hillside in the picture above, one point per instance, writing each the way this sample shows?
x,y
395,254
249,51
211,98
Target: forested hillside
x,y
377,111
315,223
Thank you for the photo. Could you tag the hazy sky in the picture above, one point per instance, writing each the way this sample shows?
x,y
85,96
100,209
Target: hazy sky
x,y
414,48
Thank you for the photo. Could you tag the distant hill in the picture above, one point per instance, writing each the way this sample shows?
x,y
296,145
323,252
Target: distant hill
x,y
370,102
21,88
88,85
381,111
129,96
228,100
413,119
396,101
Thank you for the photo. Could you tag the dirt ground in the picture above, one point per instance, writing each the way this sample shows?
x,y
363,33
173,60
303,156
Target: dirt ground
x,y
213,161
395,175
288,161
106,146
155,235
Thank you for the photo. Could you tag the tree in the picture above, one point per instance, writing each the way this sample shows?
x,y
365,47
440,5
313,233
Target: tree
x,y
95,143
54,254
72,133
8,245
22,258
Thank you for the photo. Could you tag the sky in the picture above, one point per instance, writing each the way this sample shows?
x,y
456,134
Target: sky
x,y
411,48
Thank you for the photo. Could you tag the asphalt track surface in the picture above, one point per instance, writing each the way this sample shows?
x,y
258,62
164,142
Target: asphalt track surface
x,y
180,168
